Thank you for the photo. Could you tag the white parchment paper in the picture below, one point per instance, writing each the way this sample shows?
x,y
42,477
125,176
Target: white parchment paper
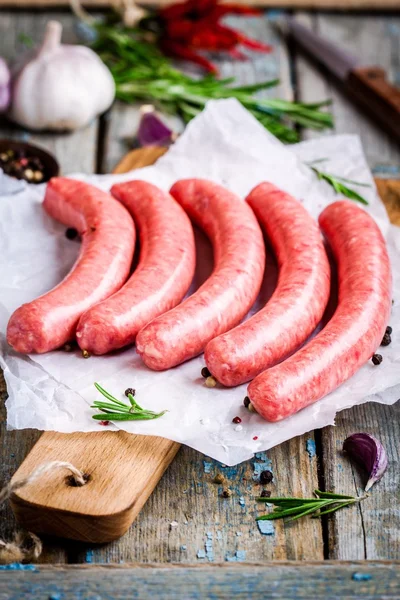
x,y
54,391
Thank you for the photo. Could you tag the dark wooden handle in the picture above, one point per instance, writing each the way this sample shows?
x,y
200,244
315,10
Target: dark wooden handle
x,y
370,88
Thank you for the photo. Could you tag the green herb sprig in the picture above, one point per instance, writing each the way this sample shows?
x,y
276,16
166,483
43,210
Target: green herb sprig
x,y
142,72
115,410
339,184
295,508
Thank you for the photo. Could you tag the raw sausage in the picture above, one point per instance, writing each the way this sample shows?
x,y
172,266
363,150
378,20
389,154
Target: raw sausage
x,y
223,300
108,240
299,299
356,328
161,279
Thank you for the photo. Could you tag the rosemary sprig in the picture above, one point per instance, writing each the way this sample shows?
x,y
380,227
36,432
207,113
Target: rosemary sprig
x,y
142,72
339,184
295,508
115,410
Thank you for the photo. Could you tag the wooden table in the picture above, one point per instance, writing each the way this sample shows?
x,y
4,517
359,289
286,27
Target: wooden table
x,y
211,529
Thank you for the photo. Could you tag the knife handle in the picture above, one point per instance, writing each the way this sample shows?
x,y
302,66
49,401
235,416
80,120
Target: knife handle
x,y
371,88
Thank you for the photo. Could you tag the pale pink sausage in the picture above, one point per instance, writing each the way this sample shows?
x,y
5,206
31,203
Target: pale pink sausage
x,y
224,299
299,300
356,329
161,279
108,240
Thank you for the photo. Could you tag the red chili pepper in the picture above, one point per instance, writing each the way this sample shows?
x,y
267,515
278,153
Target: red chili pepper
x,y
181,51
254,44
193,25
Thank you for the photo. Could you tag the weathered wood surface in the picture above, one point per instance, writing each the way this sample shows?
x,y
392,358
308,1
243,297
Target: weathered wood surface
x,y
375,40
186,519
262,581
372,531
76,152
347,5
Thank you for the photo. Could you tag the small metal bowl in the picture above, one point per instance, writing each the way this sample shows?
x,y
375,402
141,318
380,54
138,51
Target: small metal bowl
x,y
51,166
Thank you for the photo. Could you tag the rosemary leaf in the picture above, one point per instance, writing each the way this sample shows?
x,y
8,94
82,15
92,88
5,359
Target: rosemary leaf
x,y
295,508
115,410
339,187
331,510
142,72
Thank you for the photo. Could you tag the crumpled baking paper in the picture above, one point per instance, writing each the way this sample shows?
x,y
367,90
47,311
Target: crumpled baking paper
x,y
54,391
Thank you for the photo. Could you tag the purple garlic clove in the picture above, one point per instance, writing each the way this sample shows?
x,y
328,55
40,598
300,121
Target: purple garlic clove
x,y
152,131
5,85
369,453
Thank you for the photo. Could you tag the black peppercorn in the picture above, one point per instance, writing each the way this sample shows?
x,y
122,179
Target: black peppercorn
x,y
266,477
205,372
377,359
246,401
265,494
386,340
71,233
130,391
389,330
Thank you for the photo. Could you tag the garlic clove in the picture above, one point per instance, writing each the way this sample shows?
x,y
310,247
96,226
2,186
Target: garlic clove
x,y
369,453
4,85
152,131
60,87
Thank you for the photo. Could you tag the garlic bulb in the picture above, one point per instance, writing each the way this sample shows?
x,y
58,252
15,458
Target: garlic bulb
x,y
60,87
4,85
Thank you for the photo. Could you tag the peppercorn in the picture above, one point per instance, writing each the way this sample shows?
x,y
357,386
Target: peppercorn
x,y
28,174
71,233
386,340
226,493
218,478
205,372
377,359
266,477
265,494
236,420
37,176
85,354
246,401
130,391
211,382
389,330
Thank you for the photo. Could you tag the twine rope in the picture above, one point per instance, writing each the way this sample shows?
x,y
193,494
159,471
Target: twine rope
x,y
26,546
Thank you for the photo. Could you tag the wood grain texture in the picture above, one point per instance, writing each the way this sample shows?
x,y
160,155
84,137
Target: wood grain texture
x,y
376,40
372,531
75,151
347,5
262,581
123,471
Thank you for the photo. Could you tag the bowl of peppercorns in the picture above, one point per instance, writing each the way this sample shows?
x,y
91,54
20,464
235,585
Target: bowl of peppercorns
x,y
25,161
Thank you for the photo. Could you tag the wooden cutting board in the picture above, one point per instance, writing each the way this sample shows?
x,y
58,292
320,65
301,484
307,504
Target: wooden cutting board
x,y
294,4
124,468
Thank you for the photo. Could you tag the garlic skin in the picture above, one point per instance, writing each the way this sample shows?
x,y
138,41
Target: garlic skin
x,y
369,453
152,131
60,87
5,82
